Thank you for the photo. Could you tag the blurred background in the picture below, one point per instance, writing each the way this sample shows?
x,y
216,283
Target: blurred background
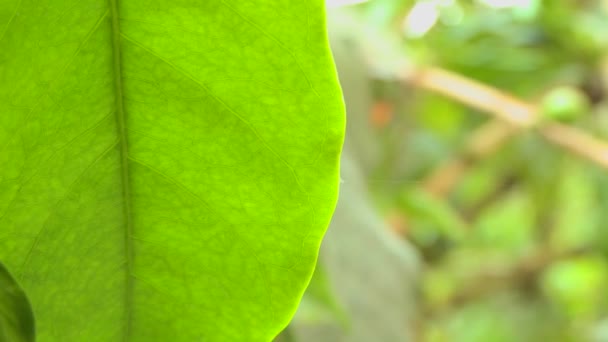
x,y
474,195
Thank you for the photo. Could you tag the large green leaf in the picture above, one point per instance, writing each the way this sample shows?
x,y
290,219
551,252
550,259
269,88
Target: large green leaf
x,y
168,167
16,317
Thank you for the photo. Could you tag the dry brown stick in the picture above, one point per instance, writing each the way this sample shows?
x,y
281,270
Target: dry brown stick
x,y
511,114
475,94
577,141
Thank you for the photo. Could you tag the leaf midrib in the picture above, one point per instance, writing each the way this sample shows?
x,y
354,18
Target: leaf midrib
x,y
124,160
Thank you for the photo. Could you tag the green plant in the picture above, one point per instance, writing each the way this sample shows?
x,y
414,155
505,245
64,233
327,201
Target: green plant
x,y
168,167
564,104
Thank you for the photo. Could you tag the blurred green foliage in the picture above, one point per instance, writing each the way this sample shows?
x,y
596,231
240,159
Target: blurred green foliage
x,y
518,249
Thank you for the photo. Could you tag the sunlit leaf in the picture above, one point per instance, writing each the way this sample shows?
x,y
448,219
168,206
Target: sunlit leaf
x,y
167,168
577,285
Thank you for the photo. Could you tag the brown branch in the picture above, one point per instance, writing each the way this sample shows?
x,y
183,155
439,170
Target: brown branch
x,y
474,94
577,141
511,116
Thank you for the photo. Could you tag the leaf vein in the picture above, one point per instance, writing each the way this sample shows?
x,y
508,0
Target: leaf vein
x,y
47,92
42,166
53,209
121,121
10,21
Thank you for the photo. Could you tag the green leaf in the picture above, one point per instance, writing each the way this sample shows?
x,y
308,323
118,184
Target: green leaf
x,y
16,317
577,213
564,103
169,167
507,225
577,286
426,211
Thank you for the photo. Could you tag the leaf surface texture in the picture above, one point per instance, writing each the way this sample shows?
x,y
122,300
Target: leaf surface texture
x,y
168,167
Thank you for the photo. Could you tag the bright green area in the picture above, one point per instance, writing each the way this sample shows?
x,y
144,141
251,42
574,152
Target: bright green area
x,y
516,250
16,317
168,167
564,104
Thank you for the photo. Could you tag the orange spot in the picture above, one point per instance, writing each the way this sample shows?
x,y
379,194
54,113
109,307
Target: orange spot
x,y
397,223
381,114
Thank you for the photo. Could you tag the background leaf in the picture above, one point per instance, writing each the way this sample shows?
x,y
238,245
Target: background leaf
x,y
16,317
168,167
508,221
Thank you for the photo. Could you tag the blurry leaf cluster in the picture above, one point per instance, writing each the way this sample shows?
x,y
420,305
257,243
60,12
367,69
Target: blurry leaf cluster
x,y
517,248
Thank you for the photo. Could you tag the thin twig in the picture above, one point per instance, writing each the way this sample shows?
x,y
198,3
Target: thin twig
x,y
475,94
512,115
